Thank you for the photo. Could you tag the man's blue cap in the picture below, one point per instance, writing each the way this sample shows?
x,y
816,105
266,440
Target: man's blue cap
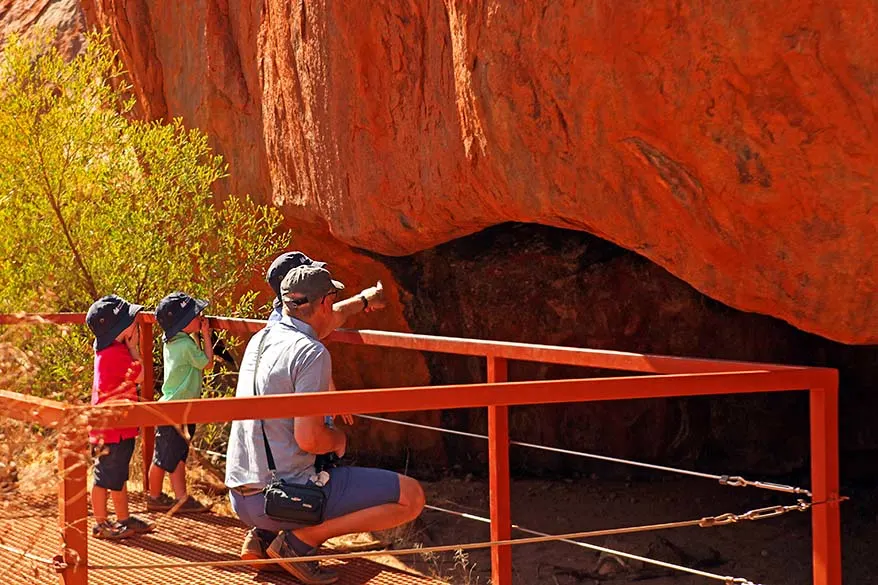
x,y
176,311
108,317
283,264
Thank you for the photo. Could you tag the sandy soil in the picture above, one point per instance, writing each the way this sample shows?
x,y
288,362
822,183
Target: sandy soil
x,y
775,551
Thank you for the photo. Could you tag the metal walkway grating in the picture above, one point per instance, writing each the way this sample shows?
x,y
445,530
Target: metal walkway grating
x,y
32,525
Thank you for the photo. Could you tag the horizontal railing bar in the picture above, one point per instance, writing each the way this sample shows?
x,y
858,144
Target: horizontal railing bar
x,y
206,410
36,318
31,408
230,324
225,323
553,354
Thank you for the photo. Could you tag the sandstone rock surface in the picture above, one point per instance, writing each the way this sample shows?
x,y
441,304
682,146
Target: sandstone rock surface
x,y
732,143
65,17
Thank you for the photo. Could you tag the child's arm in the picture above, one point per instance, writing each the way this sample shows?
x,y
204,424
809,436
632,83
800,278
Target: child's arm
x,y
127,389
139,378
206,342
132,342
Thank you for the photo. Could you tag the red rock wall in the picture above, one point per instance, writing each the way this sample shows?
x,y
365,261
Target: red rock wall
x,y
732,143
201,61
65,17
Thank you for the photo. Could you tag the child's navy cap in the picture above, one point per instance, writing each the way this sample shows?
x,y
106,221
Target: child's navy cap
x,y
283,264
176,311
108,317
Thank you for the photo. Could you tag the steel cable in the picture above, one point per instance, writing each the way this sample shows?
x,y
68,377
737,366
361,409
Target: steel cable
x,y
424,550
733,481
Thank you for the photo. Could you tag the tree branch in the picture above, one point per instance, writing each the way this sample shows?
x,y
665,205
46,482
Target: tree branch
x,y
56,207
142,283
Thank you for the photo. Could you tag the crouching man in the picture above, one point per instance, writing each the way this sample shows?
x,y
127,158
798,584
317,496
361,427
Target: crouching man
x,y
290,359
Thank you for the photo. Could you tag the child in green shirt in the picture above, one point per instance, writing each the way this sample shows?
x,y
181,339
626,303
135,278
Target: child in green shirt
x,y
179,316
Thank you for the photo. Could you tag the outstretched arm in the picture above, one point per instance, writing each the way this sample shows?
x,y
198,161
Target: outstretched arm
x,y
368,299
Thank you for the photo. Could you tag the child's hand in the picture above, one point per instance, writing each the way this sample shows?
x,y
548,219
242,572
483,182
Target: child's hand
x,y
205,330
131,335
347,419
132,342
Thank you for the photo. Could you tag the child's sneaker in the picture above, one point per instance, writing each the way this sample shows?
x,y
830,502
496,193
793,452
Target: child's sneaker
x,y
190,506
137,525
163,503
110,530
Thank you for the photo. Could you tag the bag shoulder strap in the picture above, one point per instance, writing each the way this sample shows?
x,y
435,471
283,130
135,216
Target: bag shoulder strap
x,y
268,455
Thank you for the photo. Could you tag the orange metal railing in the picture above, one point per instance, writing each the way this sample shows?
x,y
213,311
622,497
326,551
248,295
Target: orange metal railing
x,y
672,376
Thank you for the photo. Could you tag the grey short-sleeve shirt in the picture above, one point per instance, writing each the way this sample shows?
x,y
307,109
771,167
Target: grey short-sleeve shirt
x,y
293,361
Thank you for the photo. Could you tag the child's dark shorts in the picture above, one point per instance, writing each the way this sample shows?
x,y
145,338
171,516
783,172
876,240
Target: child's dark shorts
x,y
111,463
171,447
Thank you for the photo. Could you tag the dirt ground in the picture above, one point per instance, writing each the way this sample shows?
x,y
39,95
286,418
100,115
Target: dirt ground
x,y
774,551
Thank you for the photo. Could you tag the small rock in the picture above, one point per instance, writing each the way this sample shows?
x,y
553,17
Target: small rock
x,y
610,566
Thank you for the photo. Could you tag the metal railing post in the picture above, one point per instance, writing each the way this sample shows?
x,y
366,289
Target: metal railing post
x,y
498,462
147,394
825,487
73,504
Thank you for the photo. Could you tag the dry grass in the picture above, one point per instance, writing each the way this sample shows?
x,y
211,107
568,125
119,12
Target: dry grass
x,y
17,366
27,459
452,567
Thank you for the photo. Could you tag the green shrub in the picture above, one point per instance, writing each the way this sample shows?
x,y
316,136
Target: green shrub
x,y
94,201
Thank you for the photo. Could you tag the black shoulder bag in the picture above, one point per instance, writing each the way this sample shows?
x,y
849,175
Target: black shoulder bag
x,y
288,502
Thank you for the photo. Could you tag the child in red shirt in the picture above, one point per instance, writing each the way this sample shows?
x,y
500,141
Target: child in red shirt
x,y
117,371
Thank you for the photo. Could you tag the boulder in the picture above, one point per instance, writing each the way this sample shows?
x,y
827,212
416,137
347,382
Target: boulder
x,y
64,18
730,143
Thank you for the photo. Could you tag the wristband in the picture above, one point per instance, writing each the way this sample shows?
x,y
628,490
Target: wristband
x,y
365,301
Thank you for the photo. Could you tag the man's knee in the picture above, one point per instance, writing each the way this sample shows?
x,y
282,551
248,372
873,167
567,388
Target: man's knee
x,y
411,495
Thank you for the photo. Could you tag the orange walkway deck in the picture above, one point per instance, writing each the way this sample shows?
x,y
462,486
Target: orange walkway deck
x,y
33,526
